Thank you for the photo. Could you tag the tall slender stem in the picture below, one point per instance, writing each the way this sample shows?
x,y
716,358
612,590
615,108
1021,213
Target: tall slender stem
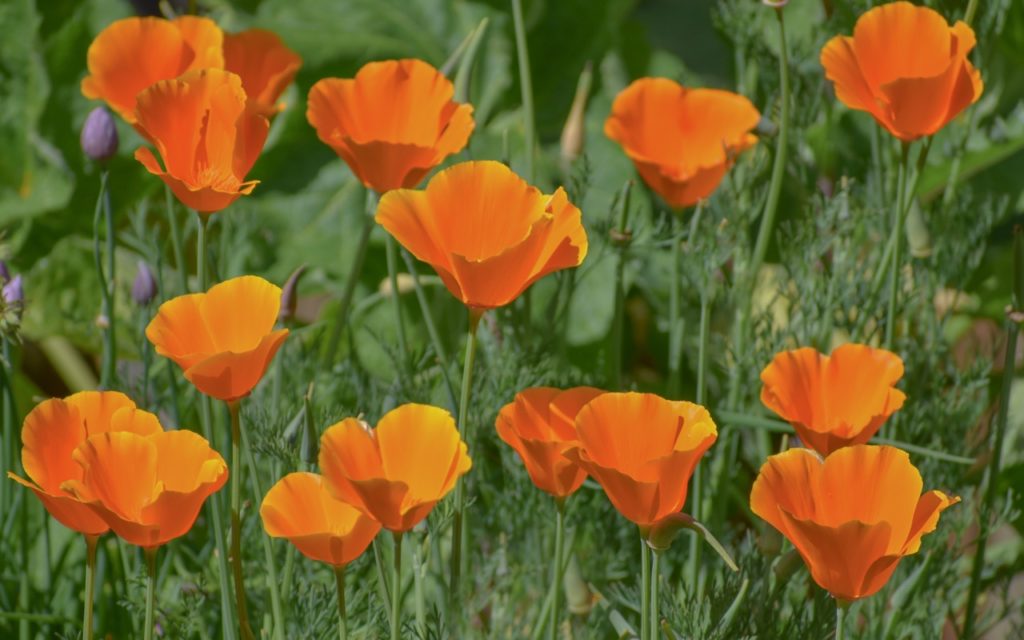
x,y
111,284
972,8
621,238
215,515
840,619
459,521
396,303
418,578
991,478
201,251
150,591
236,520
696,548
179,255
645,590
345,304
339,581
556,569
396,587
435,337
675,319
9,410
276,609
897,243
655,558
90,582
106,278
525,86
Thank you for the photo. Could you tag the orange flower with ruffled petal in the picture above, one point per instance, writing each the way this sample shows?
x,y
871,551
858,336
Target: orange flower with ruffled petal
x,y
852,517
398,471
453,225
223,339
834,401
392,123
682,141
539,425
265,64
906,67
207,136
149,489
301,508
134,53
642,449
54,429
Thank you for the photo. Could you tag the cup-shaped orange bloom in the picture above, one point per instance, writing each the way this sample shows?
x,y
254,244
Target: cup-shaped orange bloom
x,y
302,509
906,67
486,232
206,136
834,401
149,489
392,123
681,140
265,65
398,471
540,425
642,449
223,339
132,54
54,429
852,517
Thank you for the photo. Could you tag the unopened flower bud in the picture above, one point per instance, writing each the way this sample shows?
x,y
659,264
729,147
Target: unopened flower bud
x,y
14,292
99,135
573,132
144,288
290,295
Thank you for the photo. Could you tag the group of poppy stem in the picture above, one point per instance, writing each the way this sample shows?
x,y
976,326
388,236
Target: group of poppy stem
x,y
205,104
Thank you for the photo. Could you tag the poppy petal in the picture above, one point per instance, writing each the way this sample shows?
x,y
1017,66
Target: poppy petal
x,y
230,376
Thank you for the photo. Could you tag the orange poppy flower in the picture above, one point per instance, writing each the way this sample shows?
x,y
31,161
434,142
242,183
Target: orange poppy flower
x,y
642,449
52,431
539,425
149,489
265,65
397,472
451,225
834,401
223,339
682,141
300,507
906,67
392,123
207,138
134,53
852,517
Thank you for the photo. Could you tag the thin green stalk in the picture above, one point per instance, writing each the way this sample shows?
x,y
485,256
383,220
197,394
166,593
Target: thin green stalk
x,y
382,579
991,479
396,303
150,591
655,557
696,548
421,600
435,337
201,250
106,286
91,543
525,87
179,255
556,570
972,8
9,411
897,242
675,320
236,521
459,521
396,587
840,619
111,284
341,320
214,513
339,581
276,610
621,238
645,590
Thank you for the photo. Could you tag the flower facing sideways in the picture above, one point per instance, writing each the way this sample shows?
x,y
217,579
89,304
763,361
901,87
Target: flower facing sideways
x,y
834,401
54,429
682,141
906,67
852,517
398,471
301,508
223,339
207,136
148,489
486,232
539,425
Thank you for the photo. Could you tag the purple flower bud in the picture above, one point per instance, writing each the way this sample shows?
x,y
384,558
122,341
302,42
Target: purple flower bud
x,y
5,273
144,288
99,135
13,292
290,295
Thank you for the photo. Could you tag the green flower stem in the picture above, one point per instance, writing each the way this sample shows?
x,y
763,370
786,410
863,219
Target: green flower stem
x,y
435,337
525,87
840,619
204,223
396,587
106,278
897,243
10,416
236,521
655,557
179,255
214,508
675,319
621,240
382,578
90,583
459,521
339,581
556,570
991,479
150,591
972,8
645,590
396,303
276,610
345,304
419,576
696,548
